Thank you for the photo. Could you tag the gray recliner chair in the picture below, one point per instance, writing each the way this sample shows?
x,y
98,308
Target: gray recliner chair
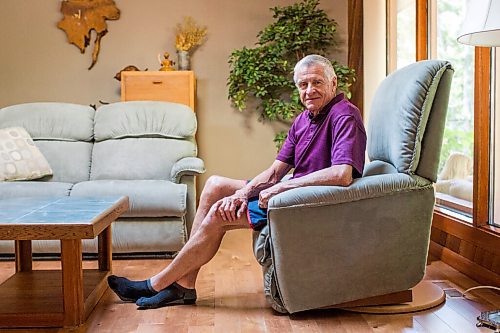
x,y
328,245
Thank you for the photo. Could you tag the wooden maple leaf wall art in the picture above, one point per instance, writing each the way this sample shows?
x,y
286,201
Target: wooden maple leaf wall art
x,y
83,16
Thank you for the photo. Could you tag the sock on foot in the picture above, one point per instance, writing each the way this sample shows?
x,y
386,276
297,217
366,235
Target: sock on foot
x,y
130,291
171,295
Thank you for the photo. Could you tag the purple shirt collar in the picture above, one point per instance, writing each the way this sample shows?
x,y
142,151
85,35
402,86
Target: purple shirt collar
x,y
326,109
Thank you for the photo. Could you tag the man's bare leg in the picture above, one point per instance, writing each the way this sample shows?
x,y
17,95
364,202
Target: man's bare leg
x,y
216,188
206,235
207,228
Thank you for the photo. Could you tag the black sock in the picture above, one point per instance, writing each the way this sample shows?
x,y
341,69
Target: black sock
x,y
130,291
171,295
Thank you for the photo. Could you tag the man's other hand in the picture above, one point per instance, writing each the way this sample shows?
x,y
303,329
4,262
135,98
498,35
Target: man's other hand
x,y
232,207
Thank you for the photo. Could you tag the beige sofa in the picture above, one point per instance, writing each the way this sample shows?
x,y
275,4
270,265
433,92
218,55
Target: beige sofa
x,y
145,150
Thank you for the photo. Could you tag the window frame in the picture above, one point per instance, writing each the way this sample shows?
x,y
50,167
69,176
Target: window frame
x,y
468,243
482,78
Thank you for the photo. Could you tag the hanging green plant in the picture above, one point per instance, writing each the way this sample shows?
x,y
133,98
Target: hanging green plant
x,y
265,73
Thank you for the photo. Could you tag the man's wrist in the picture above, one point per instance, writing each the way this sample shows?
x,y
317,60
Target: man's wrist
x,y
242,193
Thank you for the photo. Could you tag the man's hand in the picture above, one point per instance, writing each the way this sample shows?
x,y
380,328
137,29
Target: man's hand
x,y
232,207
267,194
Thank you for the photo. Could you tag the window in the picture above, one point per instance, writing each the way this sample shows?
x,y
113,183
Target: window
x,y
454,188
402,34
466,222
423,29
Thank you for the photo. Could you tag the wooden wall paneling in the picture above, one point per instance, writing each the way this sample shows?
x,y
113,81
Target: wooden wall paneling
x,y
472,250
464,265
467,232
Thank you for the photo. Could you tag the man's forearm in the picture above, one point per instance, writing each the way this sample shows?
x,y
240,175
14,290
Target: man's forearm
x,y
265,179
339,175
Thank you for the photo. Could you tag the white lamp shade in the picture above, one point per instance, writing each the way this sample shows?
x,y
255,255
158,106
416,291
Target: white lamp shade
x,y
482,23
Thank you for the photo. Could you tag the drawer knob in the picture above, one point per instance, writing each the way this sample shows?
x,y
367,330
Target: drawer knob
x,y
157,82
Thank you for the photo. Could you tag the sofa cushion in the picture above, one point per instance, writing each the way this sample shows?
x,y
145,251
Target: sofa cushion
x,y
70,161
138,158
53,121
147,198
20,159
33,189
144,119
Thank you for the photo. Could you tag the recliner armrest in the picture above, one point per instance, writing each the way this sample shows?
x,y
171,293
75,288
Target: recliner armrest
x,y
361,188
187,166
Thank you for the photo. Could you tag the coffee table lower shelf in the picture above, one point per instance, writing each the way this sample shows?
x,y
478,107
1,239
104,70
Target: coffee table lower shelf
x,y
34,298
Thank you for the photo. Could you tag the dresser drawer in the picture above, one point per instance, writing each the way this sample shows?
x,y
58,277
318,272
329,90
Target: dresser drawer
x,y
175,86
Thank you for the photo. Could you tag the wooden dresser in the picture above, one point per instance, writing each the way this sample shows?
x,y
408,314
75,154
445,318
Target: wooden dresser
x,y
174,86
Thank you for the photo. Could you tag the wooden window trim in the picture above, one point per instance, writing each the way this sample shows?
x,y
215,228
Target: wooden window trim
x,y
482,75
479,232
482,78
355,50
422,30
474,260
460,205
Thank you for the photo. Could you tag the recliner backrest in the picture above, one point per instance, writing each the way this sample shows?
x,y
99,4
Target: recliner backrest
x,y
407,118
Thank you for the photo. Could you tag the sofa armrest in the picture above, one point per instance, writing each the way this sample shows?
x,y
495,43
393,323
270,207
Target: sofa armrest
x,y
361,188
187,166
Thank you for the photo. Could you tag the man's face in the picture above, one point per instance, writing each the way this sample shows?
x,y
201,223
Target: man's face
x,y
314,88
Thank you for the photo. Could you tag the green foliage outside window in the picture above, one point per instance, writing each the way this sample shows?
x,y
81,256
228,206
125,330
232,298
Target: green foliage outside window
x,y
459,131
264,74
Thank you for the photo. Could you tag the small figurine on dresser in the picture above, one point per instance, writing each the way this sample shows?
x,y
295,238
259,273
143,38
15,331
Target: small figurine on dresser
x,y
166,64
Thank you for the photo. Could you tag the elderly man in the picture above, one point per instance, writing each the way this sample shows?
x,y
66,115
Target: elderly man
x,y
325,146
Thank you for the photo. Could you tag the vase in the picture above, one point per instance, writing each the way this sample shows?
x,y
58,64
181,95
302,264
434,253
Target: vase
x,y
184,61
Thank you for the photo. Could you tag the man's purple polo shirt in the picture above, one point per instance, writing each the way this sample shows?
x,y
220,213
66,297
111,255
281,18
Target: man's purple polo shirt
x,y
335,136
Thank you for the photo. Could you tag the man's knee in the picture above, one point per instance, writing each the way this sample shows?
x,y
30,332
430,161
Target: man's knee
x,y
215,188
214,183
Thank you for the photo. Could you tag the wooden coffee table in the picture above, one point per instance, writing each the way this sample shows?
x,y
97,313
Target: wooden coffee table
x,y
56,298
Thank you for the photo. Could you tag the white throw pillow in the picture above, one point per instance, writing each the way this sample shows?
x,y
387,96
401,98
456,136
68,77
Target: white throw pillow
x,y
20,159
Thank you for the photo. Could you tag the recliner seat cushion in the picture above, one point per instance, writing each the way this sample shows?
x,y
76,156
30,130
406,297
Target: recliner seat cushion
x,y
147,198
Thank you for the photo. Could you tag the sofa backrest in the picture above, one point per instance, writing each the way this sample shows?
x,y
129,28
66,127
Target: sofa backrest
x,y
62,131
141,139
407,118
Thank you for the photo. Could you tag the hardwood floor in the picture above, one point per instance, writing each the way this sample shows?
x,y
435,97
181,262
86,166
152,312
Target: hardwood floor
x,y
230,299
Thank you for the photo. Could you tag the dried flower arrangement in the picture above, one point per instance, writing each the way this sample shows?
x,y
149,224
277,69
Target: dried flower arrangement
x,y
188,35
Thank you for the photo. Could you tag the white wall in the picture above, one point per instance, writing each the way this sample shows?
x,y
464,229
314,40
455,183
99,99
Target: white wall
x,y
374,52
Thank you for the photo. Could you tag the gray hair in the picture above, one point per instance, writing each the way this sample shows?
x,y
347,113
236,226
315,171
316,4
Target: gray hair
x,y
315,59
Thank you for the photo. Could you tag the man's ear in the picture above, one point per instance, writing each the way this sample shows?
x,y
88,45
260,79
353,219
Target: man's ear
x,y
334,83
